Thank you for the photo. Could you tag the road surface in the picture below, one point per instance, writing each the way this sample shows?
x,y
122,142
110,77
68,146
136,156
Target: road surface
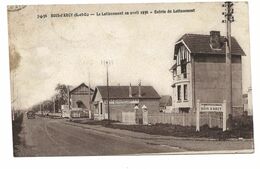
x,y
56,137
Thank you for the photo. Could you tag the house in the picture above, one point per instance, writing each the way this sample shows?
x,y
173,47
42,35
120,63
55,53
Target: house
x,y
165,103
80,100
247,101
130,101
199,72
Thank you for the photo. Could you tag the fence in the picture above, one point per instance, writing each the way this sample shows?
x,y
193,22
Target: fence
x,y
116,116
124,117
128,117
186,119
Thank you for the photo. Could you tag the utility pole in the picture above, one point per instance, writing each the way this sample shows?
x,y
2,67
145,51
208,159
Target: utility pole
x,y
68,93
41,108
229,18
13,98
89,95
54,104
107,63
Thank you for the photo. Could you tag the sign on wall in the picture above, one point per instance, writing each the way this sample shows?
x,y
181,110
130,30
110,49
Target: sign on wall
x,y
211,107
122,101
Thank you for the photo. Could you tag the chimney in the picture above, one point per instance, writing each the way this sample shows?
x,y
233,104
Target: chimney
x,y
139,90
214,40
130,91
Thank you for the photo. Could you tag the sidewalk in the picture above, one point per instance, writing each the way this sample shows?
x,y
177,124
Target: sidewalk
x,y
141,135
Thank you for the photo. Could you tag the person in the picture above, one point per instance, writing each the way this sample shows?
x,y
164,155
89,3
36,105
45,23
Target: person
x,y
230,122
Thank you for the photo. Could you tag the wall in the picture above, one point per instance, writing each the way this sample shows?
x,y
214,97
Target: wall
x,y
179,80
83,98
96,107
209,74
117,109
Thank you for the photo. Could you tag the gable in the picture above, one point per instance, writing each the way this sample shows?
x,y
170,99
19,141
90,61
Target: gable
x,y
200,44
81,90
97,96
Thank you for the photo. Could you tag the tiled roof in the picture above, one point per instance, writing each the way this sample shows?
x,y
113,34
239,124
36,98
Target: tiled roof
x,y
122,92
166,100
73,88
198,43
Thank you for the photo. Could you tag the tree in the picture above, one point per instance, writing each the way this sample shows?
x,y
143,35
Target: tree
x,y
62,96
47,106
14,58
14,61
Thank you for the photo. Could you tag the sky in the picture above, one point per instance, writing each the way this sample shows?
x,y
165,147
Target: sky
x,y
70,50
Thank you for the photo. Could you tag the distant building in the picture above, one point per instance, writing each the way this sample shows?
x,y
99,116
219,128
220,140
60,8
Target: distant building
x,y
199,72
124,99
166,103
247,101
80,97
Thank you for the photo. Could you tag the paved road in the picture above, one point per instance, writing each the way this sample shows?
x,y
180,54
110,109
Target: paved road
x,y
53,137
56,137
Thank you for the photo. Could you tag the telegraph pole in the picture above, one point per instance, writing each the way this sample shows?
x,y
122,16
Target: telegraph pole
x,y
68,93
89,95
54,104
107,63
41,108
229,18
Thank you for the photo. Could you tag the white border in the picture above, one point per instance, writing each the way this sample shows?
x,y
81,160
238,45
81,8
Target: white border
x,y
152,161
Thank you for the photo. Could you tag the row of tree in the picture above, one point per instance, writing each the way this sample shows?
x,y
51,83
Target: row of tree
x,y
53,104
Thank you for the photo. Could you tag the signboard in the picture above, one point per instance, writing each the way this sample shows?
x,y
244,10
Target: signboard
x,y
122,101
64,107
211,107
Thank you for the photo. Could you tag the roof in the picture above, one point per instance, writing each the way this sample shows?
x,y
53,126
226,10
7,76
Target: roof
x,y
173,67
198,43
122,92
166,100
72,89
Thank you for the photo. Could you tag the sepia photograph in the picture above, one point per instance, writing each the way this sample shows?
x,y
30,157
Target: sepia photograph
x,y
130,79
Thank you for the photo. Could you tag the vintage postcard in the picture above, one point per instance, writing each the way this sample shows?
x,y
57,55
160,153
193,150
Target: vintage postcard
x,y
130,79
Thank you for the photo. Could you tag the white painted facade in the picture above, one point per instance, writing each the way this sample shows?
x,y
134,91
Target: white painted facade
x,y
182,81
99,110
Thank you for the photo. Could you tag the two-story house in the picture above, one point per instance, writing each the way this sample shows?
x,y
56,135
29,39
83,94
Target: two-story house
x,y
199,72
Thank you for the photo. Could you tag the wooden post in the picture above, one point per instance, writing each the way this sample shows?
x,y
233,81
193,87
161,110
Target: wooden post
x,y
224,115
210,120
183,119
198,116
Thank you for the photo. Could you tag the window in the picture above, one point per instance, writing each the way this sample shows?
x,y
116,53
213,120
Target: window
x,y
179,93
174,72
185,92
100,108
184,68
80,104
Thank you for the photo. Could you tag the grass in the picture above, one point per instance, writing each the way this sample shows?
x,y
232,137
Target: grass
x,y
176,130
17,128
172,130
